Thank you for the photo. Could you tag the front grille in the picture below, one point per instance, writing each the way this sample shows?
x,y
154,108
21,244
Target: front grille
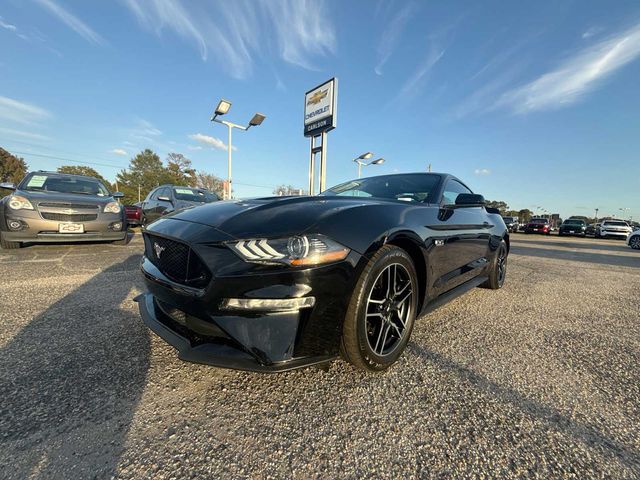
x,y
69,205
61,217
176,260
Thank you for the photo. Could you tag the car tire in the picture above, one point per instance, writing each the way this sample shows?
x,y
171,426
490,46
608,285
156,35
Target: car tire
x,y
378,322
634,242
498,269
7,245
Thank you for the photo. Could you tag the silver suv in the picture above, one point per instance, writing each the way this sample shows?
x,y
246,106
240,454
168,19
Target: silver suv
x,y
614,228
56,207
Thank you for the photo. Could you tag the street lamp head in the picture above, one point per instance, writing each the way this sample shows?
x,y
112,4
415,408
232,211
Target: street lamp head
x,y
223,107
257,119
365,156
378,161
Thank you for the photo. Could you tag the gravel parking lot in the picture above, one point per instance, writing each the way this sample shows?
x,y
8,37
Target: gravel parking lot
x,y
539,379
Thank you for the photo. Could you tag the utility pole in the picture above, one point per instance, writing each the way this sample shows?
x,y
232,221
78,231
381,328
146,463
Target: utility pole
x,y
139,193
596,220
429,168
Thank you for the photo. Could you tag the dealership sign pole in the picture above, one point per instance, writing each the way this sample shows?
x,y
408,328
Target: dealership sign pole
x,y
320,116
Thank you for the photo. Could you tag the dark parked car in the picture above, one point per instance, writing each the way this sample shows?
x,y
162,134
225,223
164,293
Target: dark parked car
x,y
272,284
512,223
592,229
134,215
168,198
538,225
573,226
57,207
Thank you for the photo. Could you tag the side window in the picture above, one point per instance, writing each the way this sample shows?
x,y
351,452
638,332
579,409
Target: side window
x,y
451,192
165,192
153,194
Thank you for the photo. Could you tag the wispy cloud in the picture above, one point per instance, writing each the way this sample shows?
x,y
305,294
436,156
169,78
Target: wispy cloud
x,y
210,141
119,151
591,31
391,34
23,134
576,76
482,171
71,21
238,33
20,112
413,84
7,26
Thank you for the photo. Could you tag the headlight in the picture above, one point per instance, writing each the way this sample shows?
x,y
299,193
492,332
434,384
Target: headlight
x,y
299,250
112,207
16,202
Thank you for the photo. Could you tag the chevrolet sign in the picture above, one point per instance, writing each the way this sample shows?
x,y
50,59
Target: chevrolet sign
x,y
320,108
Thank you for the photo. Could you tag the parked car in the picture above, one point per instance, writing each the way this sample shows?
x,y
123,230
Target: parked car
x,y
512,223
573,226
168,198
57,207
614,228
538,225
271,284
134,215
633,239
592,230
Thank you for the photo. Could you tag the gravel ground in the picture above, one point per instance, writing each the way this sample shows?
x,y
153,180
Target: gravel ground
x,y
538,380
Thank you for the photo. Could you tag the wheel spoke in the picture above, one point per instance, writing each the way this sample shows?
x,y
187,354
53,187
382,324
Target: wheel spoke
x,y
384,340
404,299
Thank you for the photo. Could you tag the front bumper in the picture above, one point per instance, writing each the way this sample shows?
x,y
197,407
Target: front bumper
x,y
194,321
576,232
39,229
218,349
611,233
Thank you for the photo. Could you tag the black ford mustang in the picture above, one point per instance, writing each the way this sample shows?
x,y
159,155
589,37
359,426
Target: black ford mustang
x,y
272,284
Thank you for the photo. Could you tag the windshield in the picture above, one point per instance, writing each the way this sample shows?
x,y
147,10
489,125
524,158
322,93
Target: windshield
x,y
194,195
508,219
573,222
538,220
51,182
415,187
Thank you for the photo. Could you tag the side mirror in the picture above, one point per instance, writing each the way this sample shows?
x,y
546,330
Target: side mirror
x,y
117,194
8,185
469,200
164,198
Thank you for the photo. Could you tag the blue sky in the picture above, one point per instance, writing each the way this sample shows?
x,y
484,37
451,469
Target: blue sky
x,y
534,103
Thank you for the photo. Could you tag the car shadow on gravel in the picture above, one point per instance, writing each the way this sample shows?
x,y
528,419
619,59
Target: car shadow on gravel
x,y
70,382
583,432
587,257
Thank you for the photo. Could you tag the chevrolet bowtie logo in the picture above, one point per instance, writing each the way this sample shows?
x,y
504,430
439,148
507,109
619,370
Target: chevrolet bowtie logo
x,y
69,211
317,97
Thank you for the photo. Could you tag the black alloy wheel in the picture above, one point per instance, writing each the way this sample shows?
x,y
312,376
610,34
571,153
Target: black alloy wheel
x,y
498,269
634,242
382,311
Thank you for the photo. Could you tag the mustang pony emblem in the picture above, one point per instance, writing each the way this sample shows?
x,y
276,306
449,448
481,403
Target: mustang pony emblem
x,y
158,249
317,97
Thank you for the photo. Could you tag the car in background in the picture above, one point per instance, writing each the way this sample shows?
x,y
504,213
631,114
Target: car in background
x,y
58,207
592,229
633,239
512,223
169,198
614,228
134,215
538,225
573,226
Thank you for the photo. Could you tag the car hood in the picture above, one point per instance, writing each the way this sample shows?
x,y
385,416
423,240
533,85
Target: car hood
x,y
271,216
54,197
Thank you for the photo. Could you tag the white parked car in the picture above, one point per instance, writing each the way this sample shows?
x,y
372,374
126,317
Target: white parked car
x,y
614,228
633,239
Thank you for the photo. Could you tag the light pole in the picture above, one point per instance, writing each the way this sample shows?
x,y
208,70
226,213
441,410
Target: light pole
x,y
223,108
624,209
596,220
366,156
